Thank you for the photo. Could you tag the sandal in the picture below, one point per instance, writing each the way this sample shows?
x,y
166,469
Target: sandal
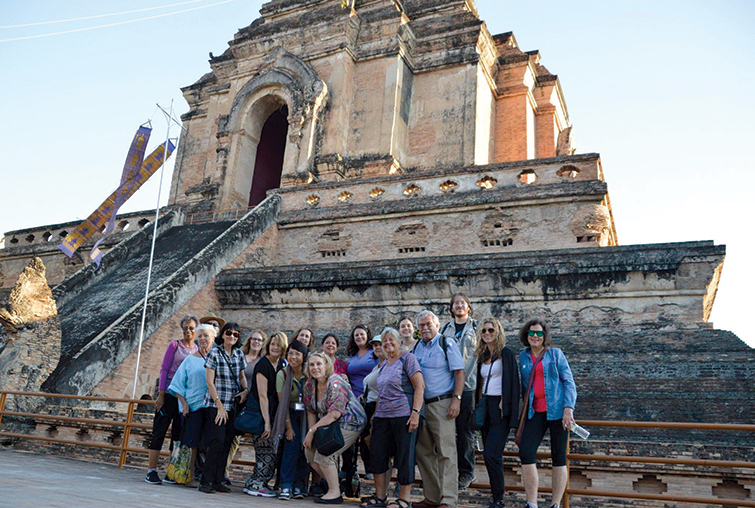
x,y
399,503
373,502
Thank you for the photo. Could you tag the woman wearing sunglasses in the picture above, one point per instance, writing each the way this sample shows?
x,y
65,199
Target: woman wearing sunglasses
x,y
226,388
498,386
549,397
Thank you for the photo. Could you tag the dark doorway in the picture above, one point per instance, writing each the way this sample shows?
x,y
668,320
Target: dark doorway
x,y
269,162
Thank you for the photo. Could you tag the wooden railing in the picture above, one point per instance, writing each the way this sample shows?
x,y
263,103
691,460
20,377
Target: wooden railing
x,y
129,424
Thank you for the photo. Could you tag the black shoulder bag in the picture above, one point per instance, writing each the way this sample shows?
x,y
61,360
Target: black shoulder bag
x,y
477,418
328,439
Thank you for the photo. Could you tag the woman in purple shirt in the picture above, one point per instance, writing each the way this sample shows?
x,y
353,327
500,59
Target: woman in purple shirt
x,y
401,390
166,405
361,362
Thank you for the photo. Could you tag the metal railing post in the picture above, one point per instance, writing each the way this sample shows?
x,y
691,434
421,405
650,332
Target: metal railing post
x,y
126,433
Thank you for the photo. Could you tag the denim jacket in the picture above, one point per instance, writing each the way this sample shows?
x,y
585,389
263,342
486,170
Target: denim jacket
x,y
560,390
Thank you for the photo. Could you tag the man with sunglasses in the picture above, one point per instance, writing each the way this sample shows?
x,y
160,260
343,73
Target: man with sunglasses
x,y
217,322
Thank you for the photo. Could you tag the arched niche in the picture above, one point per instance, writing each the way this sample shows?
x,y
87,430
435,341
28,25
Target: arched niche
x,y
283,81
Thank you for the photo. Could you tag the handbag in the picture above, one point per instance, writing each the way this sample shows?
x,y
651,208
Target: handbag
x,y
179,469
328,439
526,408
480,413
249,420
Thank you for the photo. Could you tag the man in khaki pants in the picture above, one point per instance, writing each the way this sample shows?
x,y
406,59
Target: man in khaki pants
x,y
443,370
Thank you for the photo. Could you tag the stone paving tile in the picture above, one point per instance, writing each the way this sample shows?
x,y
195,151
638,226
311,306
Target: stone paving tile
x,y
33,480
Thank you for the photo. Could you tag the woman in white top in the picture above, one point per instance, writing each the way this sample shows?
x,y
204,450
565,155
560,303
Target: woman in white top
x,y
498,383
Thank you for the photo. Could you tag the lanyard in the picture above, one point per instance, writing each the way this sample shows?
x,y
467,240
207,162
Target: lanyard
x,y
298,387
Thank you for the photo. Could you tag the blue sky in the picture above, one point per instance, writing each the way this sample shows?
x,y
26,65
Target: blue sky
x,y
662,90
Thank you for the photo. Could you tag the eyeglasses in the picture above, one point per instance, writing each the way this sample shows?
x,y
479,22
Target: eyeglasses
x,y
532,333
216,325
233,334
426,325
189,329
487,330
256,339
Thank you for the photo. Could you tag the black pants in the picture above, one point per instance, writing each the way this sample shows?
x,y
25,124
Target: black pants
x,y
465,436
220,439
168,414
495,433
534,431
391,438
349,457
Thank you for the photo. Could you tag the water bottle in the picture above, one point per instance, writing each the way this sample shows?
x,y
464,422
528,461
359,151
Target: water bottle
x,y
478,443
355,486
580,431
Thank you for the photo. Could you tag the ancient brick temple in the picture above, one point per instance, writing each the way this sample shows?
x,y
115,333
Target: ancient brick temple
x,y
347,165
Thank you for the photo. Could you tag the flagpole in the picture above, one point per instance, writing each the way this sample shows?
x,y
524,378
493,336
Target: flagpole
x,y
170,120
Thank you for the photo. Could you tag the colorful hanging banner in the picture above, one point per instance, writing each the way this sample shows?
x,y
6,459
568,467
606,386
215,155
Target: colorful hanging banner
x,y
134,161
95,222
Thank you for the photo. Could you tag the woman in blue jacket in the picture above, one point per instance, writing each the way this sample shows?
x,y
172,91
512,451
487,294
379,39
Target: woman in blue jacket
x,y
549,396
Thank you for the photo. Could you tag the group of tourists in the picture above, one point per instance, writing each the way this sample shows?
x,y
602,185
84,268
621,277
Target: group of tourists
x,y
406,396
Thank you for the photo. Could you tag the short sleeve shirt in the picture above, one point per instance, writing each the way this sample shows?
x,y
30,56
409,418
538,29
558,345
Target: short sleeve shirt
x,y
359,367
437,371
227,371
337,397
265,367
391,382
190,383
296,388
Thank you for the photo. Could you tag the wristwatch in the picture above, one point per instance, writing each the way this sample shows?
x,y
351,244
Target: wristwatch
x,y
415,410
457,397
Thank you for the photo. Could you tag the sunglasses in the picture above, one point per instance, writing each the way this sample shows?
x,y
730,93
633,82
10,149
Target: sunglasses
x,y
189,329
233,334
487,330
532,333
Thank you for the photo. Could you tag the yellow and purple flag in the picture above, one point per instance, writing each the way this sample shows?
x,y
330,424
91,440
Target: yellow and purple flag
x,y
136,171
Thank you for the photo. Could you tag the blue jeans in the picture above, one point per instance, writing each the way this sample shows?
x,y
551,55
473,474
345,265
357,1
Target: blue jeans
x,y
294,465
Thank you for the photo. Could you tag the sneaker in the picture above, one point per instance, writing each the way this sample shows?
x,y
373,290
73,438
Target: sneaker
x,y
316,491
298,493
259,492
206,488
227,481
265,492
153,478
285,494
530,505
169,481
465,482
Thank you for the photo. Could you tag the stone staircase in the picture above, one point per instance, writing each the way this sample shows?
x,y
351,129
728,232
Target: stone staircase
x,y
100,326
